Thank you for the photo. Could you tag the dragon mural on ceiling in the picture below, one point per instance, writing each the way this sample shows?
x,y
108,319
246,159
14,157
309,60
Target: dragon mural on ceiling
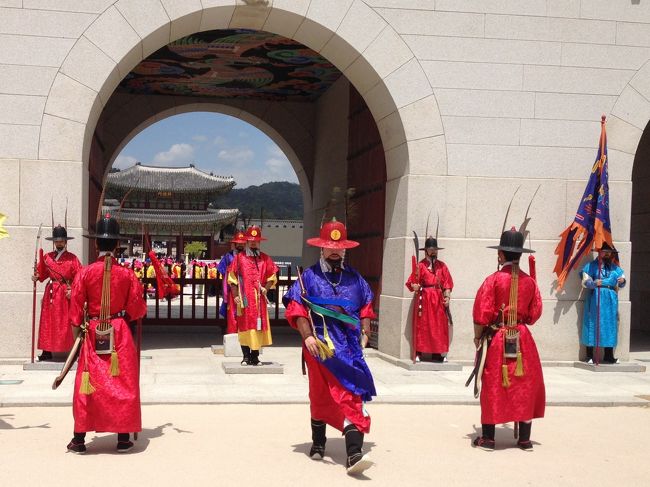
x,y
233,63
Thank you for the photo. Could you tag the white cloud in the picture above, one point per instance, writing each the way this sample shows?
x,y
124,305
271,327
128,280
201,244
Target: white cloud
x,y
236,155
277,166
219,140
199,138
122,162
177,154
275,151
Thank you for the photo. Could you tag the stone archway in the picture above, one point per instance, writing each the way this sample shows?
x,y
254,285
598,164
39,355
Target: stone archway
x,y
628,138
359,42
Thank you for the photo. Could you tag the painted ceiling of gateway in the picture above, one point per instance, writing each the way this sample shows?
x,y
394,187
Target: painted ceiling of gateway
x,y
234,63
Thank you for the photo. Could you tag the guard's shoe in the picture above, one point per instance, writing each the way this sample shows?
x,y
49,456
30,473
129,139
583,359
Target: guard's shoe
x,y
610,361
525,445
358,463
246,361
45,356
317,452
588,360
417,359
484,443
77,448
255,361
124,446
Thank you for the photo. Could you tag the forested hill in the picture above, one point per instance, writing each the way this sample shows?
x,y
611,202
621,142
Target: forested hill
x,y
279,199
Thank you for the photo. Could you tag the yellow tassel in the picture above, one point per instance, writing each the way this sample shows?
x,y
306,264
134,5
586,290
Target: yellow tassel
x,y
115,365
324,352
519,370
86,387
505,381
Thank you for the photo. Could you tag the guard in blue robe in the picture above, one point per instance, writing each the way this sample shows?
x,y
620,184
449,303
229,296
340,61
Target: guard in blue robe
x,y
602,278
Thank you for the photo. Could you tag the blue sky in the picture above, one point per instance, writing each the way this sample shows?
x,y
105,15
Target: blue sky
x,y
214,143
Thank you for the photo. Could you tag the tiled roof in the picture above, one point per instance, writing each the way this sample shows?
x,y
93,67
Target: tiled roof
x,y
169,179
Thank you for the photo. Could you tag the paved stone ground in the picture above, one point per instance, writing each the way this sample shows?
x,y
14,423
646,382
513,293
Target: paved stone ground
x,y
204,426
266,445
181,368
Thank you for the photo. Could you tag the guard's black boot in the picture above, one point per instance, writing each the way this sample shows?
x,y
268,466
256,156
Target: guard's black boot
x,y
77,444
318,439
255,357
45,356
357,462
486,440
589,356
246,351
524,436
124,444
609,356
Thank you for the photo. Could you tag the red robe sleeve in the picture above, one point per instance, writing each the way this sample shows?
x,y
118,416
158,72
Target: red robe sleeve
x,y
446,281
411,280
136,307
485,310
77,300
367,312
535,307
43,270
294,311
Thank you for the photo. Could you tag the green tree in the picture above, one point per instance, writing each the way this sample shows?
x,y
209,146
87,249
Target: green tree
x,y
195,248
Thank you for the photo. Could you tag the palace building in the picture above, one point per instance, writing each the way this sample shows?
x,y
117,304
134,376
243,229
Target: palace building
x,y
171,204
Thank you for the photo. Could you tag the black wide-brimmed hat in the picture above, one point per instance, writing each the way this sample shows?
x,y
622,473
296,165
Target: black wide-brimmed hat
x,y
106,228
606,247
59,234
512,241
431,243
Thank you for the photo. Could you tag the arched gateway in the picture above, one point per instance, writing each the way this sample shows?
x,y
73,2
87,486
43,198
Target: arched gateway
x,y
439,107
355,134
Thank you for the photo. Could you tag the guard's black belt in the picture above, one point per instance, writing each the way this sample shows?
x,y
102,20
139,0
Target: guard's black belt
x,y
432,285
111,317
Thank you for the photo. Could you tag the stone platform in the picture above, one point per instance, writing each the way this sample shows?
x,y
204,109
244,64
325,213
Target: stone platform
x,y
54,365
620,367
266,368
418,366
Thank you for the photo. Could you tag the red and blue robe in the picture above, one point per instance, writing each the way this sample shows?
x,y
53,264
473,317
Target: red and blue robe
x,y
338,386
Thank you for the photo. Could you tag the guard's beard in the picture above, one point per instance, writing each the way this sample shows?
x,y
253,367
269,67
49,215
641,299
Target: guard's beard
x,y
335,264
255,251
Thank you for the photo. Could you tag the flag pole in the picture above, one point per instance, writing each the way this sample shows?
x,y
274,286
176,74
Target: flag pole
x,y
600,266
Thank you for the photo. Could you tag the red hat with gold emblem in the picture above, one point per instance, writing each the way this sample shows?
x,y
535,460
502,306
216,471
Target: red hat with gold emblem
x,y
254,234
333,235
240,237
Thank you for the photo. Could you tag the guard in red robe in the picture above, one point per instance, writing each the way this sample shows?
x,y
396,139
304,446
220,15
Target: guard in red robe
x,y
107,390
512,379
251,275
60,268
434,285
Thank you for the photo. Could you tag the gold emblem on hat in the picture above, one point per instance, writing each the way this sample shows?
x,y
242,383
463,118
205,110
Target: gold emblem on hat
x,y
335,235
254,233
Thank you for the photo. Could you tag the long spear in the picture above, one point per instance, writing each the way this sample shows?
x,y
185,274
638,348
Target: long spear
x,y
417,302
38,241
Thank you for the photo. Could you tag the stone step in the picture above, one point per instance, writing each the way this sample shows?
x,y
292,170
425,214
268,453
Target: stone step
x,y
620,367
266,368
